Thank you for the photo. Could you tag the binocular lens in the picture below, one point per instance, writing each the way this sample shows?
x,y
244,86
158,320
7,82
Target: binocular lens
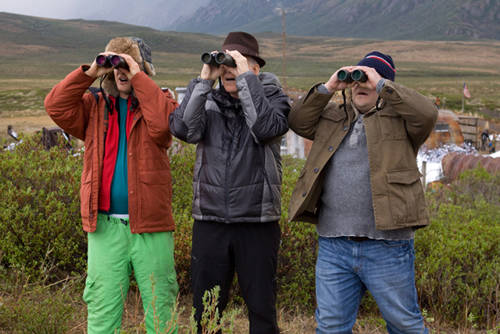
x,y
343,75
116,60
101,60
111,61
206,58
358,75
219,58
222,58
348,77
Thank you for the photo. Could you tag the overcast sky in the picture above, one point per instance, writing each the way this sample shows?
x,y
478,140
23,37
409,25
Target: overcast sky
x,y
155,13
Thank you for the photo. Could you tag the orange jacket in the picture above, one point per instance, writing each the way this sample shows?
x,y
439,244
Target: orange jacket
x,y
149,179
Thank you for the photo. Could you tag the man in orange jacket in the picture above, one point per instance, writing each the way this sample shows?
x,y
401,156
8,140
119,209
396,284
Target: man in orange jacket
x,y
126,183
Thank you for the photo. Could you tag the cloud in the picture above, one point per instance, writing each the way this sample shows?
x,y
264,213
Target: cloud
x,y
46,8
158,14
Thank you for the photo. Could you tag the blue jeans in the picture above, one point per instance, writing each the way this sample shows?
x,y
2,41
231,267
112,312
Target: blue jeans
x,y
345,269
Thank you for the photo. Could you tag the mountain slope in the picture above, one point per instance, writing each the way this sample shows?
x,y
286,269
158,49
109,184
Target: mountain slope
x,y
20,34
384,19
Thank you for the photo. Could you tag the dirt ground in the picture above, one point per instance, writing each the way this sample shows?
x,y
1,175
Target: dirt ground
x,y
25,124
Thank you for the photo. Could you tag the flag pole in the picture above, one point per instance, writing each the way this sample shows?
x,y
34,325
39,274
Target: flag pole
x,y
463,97
462,103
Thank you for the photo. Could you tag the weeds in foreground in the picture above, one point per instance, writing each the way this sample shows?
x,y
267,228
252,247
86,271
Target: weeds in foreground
x,y
212,321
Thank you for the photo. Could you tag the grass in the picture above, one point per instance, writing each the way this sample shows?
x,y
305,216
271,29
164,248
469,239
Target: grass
x,y
30,100
433,68
58,308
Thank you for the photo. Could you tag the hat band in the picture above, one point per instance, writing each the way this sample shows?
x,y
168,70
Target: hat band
x,y
384,61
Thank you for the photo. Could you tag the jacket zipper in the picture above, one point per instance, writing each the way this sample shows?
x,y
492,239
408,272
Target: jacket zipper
x,y
226,183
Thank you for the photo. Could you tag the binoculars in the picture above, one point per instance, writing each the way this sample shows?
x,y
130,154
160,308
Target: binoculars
x,y
111,61
348,77
217,59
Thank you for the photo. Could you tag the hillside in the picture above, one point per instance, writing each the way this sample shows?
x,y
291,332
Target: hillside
x,y
38,52
381,19
20,34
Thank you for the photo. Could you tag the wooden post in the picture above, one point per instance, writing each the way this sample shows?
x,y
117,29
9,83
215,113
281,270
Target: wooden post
x,y
424,173
283,34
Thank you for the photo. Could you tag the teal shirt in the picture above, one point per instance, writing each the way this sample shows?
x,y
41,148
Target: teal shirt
x,y
119,185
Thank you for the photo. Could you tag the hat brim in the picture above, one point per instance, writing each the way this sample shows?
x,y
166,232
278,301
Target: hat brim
x,y
259,60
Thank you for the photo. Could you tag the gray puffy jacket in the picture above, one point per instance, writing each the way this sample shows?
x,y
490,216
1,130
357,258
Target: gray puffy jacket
x,y
237,174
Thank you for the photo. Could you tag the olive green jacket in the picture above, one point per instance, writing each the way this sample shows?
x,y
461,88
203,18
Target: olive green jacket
x,y
393,134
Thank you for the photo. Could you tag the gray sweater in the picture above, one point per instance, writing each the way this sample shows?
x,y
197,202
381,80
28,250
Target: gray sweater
x,y
346,203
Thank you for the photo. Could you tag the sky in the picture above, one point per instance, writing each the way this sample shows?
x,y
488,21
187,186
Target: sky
x,y
158,14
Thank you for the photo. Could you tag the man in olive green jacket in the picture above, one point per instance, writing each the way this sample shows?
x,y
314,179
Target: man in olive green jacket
x,y
362,188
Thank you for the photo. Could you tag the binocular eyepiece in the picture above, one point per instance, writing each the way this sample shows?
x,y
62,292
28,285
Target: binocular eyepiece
x,y
111,61
217,59
348,77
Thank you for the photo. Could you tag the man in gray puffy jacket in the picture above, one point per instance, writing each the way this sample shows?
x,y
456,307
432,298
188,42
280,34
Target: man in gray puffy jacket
x,y
237,178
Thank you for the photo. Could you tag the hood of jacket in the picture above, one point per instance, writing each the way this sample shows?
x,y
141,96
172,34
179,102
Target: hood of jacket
x,y
269,81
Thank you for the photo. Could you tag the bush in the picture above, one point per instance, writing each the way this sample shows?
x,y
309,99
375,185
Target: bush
x,y
40,224
182,164
297,254
457,256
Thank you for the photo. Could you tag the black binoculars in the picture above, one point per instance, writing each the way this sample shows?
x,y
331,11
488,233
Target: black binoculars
x,y
111,61
348,77
216,59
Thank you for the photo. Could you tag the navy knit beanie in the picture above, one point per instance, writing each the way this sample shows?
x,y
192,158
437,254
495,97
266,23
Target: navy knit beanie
x,y
382,63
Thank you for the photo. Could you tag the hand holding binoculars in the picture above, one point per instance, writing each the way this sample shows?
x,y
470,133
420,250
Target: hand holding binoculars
x,y
349,77
111,61
217,59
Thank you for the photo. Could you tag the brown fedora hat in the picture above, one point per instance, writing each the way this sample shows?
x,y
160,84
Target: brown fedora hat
x,y
245,43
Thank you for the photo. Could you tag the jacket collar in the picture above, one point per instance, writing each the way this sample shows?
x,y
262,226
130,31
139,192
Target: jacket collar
x,y
380,102
225,101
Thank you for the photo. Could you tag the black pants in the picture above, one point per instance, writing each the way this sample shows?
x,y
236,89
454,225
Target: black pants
x,y
250,249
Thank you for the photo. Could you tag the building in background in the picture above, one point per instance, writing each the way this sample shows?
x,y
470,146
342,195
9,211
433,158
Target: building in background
x,y
295,145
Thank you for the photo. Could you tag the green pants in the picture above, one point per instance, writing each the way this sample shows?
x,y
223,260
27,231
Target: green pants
x,y
113,251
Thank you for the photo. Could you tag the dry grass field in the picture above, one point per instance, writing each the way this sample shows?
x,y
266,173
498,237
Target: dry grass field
x,y
435,68
288,321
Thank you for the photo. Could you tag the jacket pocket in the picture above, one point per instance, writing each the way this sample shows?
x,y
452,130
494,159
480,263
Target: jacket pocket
x,y
89,292
392,126
406,196
155,194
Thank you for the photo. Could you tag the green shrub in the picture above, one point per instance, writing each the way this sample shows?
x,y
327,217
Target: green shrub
x,y
181,165
212,321
182,250
458,255
40,226
182,158
297,254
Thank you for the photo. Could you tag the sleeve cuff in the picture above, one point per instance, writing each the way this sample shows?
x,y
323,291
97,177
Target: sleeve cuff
x,y
380,85
206,84
322,89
